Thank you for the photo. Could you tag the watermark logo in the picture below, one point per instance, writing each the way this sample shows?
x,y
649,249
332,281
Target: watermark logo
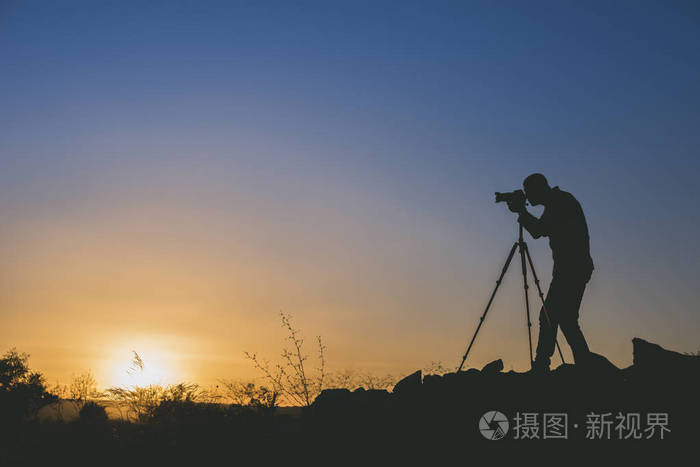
x,y
493,425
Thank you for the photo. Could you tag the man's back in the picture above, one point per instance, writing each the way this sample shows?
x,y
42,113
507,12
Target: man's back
x,y
564,223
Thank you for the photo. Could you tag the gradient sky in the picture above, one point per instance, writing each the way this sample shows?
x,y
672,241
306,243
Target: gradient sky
x,y
174,174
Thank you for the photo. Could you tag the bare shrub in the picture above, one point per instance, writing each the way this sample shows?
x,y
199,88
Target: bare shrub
x,y
82,388
435,368
290,379
250,395
61,392
350,379
138,403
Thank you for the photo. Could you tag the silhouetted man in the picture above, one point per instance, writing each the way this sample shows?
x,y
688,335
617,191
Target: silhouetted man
x,y
565,225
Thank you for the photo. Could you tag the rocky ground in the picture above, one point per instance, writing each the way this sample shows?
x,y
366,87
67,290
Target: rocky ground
x,y
654,402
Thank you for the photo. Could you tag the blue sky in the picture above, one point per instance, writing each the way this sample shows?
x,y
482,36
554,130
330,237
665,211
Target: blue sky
x,y
341,156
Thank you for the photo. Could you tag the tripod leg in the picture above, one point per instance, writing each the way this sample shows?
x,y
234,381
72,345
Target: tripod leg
x,y
539,292
493,294
527,299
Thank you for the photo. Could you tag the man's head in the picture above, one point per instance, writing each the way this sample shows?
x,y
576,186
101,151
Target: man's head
x,y
536,189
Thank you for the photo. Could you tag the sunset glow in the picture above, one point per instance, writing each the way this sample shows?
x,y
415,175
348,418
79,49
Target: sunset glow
x,y
156,369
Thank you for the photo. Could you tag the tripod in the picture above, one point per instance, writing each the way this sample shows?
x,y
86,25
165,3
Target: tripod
x,y
525,260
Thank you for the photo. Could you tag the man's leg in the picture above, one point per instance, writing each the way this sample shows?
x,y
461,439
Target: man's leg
x,y
568,320
548,328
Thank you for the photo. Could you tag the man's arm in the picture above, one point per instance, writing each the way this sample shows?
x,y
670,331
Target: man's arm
x,y
537,227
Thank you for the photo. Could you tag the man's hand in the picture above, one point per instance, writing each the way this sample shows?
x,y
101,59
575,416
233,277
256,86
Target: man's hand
x,y
516,205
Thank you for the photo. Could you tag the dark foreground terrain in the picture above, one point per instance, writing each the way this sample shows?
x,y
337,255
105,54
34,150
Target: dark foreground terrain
x,y
649,409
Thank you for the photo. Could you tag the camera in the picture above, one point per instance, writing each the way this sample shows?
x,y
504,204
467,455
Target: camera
x,y
516,197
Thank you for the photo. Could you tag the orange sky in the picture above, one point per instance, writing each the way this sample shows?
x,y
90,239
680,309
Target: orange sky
x,y
191,289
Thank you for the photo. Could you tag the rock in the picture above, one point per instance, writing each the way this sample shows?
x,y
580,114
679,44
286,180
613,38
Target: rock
x,y
431,379
628,372
495,366
595,368
449,377
461,378
653,358
600,365
349,405
463,373
332,398
370,397
565,370
658,367
409,384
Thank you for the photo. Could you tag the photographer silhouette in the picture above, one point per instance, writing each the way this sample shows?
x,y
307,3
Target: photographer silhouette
x,y
564,223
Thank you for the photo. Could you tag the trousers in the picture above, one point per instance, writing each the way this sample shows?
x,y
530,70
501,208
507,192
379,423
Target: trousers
x,y
562,303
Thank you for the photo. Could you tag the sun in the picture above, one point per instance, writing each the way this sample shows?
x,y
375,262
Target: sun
x,y
130,368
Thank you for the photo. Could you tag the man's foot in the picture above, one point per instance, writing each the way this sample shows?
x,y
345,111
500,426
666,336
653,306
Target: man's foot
x,y
539,368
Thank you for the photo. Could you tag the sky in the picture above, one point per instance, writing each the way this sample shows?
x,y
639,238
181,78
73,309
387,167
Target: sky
x,y
174,174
